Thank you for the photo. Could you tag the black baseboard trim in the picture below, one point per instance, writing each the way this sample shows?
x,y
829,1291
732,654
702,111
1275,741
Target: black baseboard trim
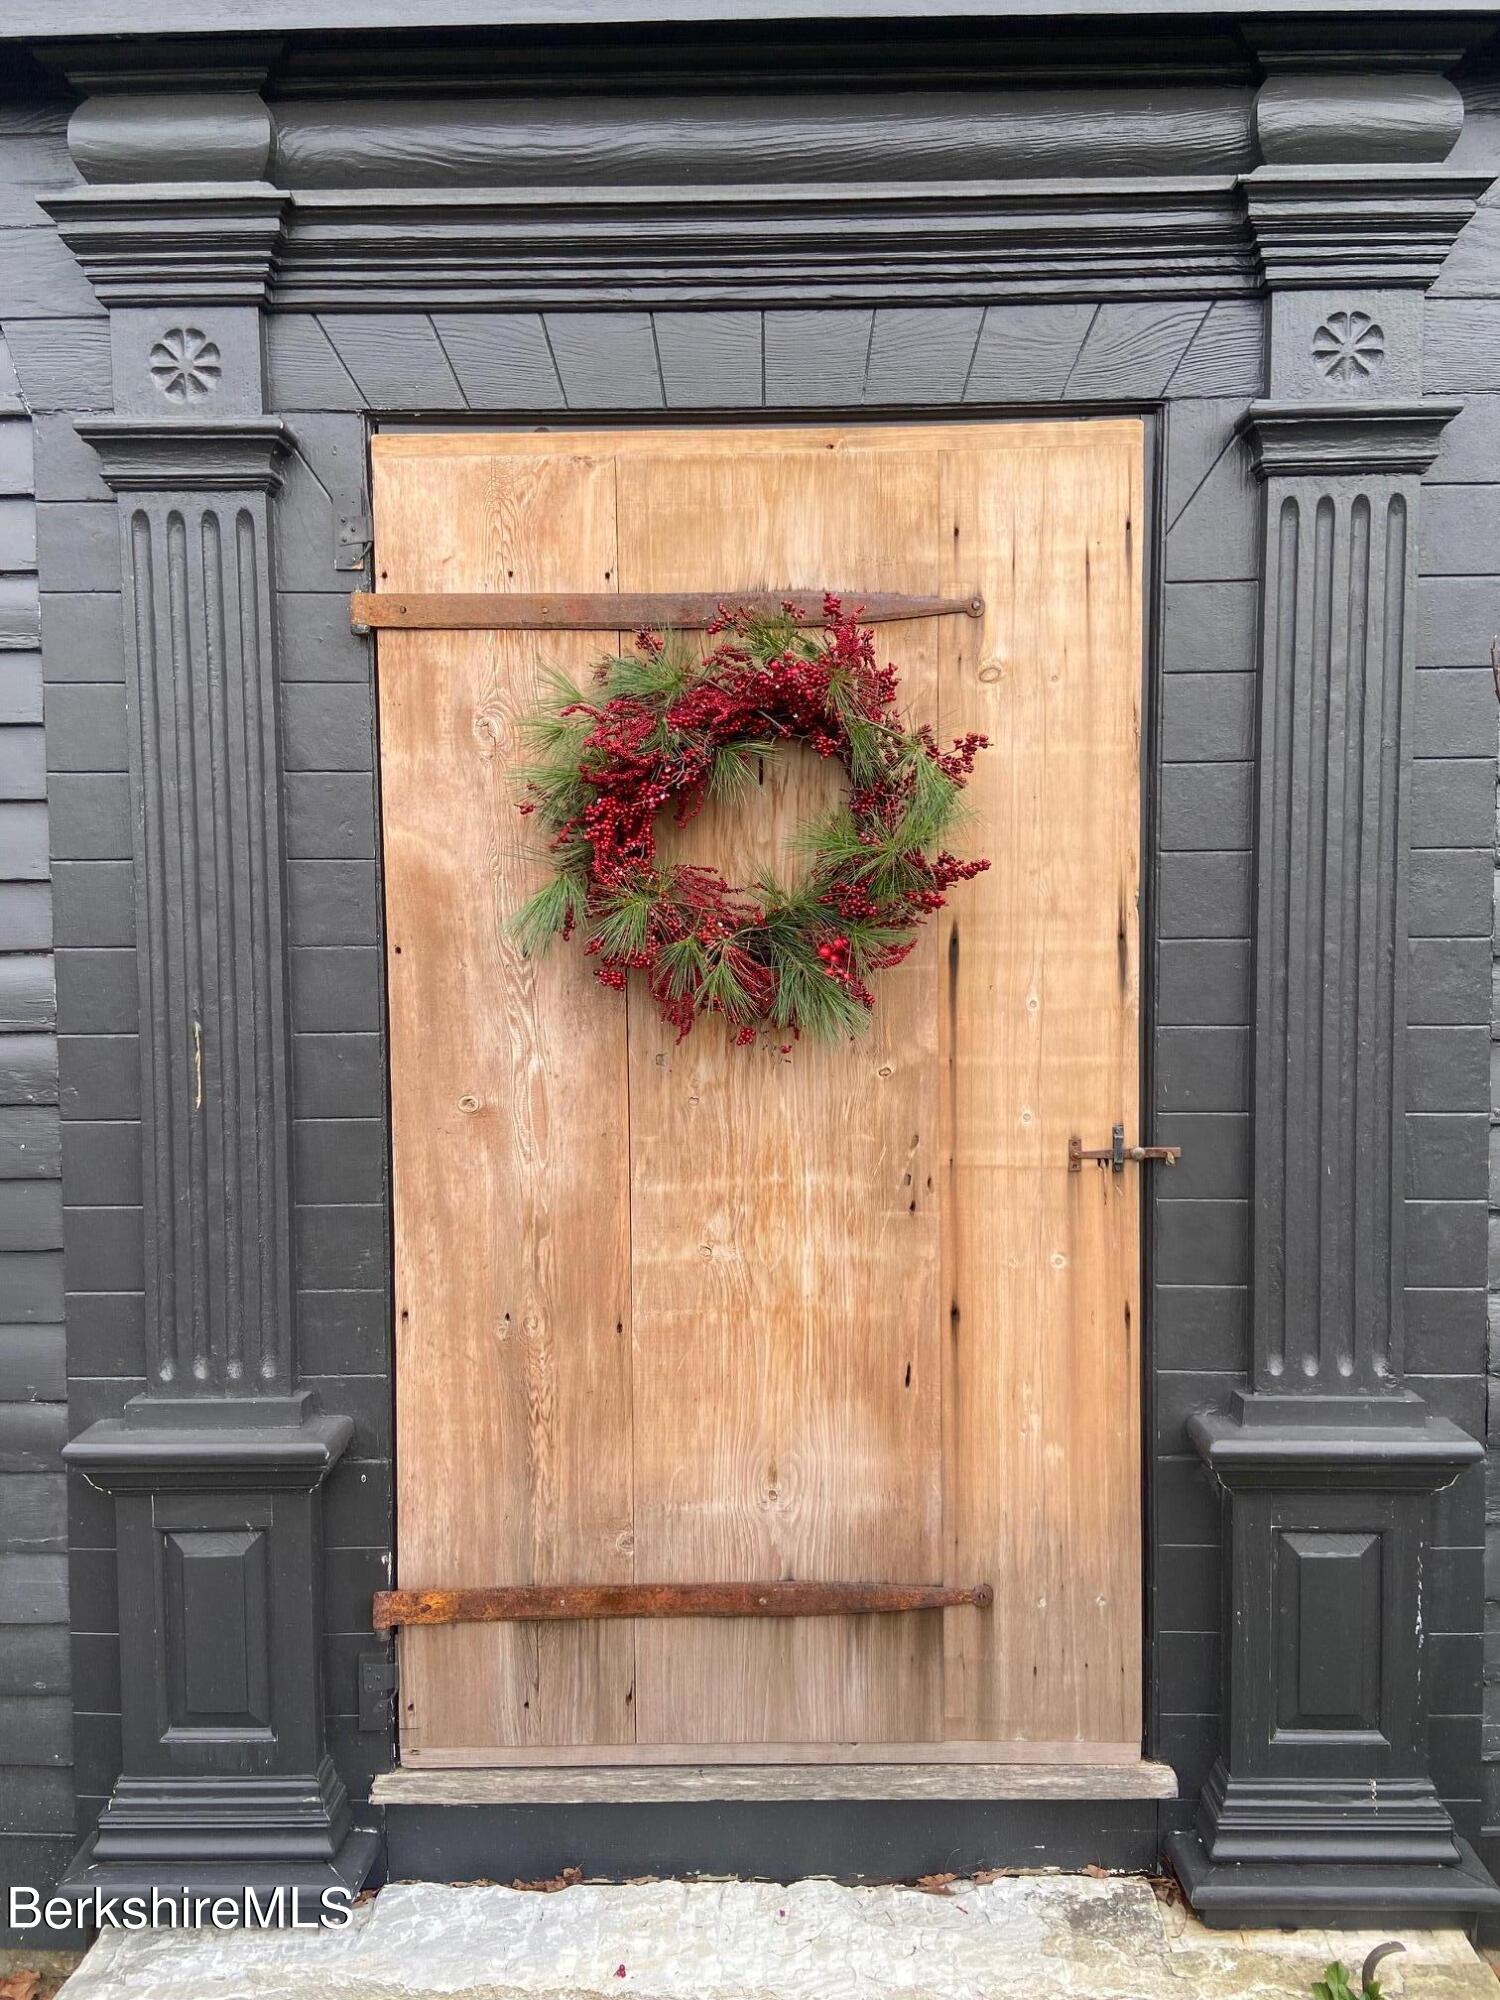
x,y
865,1840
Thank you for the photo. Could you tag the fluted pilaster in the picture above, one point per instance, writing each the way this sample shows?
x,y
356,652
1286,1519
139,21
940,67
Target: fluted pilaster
x,y
201,695
1341,503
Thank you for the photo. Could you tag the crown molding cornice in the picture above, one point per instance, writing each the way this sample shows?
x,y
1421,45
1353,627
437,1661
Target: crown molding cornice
x,y
1325,439
1316,226
958,242
208,243
230,243
238,243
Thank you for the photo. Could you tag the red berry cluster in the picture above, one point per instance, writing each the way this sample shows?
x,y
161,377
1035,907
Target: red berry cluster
x,y
641,756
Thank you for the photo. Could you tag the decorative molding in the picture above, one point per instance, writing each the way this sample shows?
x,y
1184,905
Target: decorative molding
x,y
201,695
1257,1447
216,1471
227,1779
185,364
958,242
293,1447
1348,346
191,244
1309,115
1336,440
1321,1802
961,242
218,134
1319,226
1330,1107
192,454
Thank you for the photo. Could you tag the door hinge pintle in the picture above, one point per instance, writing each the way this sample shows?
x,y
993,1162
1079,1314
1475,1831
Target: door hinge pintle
x,y
1117,1153
377,1689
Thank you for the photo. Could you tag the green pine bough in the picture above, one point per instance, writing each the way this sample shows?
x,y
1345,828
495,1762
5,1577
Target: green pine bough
x,y
667,727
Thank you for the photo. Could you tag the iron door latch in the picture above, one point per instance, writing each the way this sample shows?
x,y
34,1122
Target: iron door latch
x,y
1117,1153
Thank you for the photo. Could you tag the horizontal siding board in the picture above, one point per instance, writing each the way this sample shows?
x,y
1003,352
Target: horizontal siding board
x,y
33,1590
30,1215
33,1365
20,614
27,999
31,1287
28,1069
37,1800
36,1660
30,1143
33,1520
23,842
36,1730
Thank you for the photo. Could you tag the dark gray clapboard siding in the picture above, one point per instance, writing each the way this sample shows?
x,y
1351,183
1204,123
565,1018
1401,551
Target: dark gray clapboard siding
x,y
36,1717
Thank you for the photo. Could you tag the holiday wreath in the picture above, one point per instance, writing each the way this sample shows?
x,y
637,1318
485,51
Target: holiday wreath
x,y
667,727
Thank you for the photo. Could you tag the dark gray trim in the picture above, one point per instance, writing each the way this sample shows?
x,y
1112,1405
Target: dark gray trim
x,y
1321,1798
213,1002
31,19
864,1840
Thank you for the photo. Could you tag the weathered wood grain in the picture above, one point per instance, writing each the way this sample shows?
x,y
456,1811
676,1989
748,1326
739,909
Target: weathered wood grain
x,y
509,1127
866,1325
1040,1019
784,1238
849,1778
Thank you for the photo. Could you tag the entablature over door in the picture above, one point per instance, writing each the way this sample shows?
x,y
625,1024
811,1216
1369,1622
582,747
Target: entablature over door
x,y
546,185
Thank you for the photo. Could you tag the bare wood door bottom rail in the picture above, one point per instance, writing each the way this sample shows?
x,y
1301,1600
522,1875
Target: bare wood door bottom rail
x,y
524,1602
622,611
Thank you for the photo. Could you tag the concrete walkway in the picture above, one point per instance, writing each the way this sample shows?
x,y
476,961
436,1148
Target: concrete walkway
x,y
1015,1938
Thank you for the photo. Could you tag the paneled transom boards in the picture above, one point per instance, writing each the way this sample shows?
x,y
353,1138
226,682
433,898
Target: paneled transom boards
x,y
681,1312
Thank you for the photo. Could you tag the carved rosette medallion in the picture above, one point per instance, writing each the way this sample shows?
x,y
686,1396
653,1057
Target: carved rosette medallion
x,y
1349,348
185,364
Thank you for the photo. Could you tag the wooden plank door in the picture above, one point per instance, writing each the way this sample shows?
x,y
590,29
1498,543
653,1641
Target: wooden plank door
x,y
681,1312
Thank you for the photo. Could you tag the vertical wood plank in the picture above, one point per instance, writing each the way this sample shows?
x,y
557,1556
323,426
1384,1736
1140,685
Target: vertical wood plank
x,y
1040,1013
787,1386
509,1124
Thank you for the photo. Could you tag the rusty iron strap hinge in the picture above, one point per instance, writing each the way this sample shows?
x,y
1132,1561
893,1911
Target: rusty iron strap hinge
x,y
622,611
527,1602
1116,1153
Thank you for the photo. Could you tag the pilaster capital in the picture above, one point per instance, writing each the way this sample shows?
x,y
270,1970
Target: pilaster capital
x,y
228,455
1345,439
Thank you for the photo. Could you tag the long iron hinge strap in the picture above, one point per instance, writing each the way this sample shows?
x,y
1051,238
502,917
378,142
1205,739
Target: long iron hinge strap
x,y
532,1602
623,611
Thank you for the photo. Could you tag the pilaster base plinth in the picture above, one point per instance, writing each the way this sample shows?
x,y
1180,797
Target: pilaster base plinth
x,y
227,1785
1321,1809
1314,1892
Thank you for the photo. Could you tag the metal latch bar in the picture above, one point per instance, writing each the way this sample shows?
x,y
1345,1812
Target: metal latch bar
x,y
530,1603
623,611
1117,1153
